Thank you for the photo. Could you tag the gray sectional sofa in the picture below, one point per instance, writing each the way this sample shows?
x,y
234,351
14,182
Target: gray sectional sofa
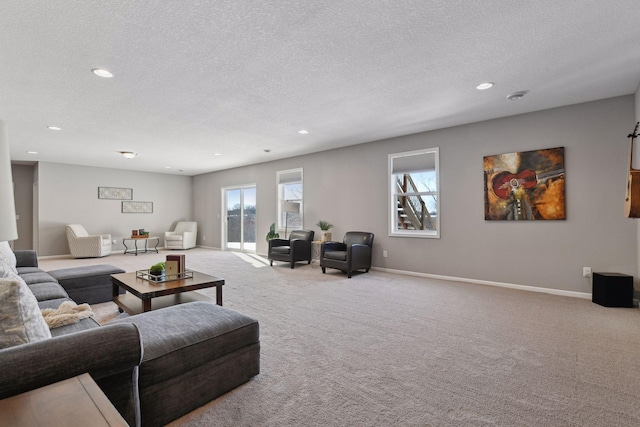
x,y
154,367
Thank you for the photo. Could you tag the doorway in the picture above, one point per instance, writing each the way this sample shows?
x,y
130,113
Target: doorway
x,y
239,225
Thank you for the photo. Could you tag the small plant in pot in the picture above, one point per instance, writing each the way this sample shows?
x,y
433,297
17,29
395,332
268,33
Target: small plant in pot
x,y
156,271
325,226
272,232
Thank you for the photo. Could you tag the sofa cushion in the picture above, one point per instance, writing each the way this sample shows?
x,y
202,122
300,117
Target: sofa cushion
x,y
27,270
82,325
21,321
47,291
193,353
284,250
52,303
181,337
7,260
337,255
37,277
89,283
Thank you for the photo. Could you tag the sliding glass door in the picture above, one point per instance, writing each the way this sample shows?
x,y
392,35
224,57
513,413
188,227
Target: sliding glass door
x,y
240,218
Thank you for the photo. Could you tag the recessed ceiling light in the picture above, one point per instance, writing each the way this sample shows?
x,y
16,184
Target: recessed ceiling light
x,y
101,72
128,154
217,154
267,150
167,167
303,132
517,95
485,86
32,152
54,128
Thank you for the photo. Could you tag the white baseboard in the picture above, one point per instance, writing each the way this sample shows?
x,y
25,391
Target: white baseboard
x,y
54,256
583,295
207,247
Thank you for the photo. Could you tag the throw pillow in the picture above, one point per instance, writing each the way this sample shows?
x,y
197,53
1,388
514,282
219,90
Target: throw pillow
x,y
7,260
21,320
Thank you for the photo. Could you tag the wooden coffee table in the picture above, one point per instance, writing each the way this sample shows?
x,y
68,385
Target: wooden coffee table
x,y
141,292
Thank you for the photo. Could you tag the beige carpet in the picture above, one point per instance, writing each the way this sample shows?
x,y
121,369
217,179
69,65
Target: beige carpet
x,y
389,350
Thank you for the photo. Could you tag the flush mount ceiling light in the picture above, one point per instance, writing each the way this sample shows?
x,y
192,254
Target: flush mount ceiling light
x,y
53,128
303,132
485,86
517,95
101,72
128,154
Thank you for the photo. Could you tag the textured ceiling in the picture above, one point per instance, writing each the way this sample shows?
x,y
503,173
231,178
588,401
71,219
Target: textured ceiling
x,y
195,77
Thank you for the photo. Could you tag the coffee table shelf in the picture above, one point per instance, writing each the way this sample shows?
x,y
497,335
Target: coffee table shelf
x,y
131,304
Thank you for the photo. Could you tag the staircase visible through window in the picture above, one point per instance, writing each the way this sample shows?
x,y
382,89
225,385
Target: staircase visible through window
x,y
414,194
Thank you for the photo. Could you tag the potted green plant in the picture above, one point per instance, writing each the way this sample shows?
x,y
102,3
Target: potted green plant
x,y
325,226
272,232
156,270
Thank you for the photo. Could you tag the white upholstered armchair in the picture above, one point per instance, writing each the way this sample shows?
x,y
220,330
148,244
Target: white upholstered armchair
x,y
83,245
183,237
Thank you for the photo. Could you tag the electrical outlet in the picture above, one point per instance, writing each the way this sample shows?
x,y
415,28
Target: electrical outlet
x,y
586,271
384,254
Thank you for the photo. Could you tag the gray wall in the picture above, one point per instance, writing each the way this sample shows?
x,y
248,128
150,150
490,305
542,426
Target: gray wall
x,y
23,179
68,194
348,187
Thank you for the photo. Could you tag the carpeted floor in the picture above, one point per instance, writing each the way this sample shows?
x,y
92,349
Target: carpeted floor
x,y
389,350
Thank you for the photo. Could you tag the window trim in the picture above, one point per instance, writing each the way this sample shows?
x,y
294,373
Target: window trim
x,y
280,199
393,194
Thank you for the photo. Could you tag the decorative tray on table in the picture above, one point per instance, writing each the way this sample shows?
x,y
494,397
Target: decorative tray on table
x,y
145,275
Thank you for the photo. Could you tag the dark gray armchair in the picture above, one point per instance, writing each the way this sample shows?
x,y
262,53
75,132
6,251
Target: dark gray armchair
x,y
354,253
296,248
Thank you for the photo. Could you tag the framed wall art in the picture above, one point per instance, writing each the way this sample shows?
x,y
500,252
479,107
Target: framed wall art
x,y
528,185
137,207
115,193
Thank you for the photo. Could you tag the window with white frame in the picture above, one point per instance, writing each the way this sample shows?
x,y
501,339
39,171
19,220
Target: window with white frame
x,y
414,189
290,206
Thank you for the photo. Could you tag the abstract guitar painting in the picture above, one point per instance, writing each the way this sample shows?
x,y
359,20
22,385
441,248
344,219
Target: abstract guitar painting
x,y
528,185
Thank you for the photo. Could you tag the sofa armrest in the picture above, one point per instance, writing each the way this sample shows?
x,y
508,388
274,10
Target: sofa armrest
x,y
26,258
106,237
189,238
360,256
301,248
103,351
91,238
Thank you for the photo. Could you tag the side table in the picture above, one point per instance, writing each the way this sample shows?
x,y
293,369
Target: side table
x,y
75,401
612,290
137,250
316,249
